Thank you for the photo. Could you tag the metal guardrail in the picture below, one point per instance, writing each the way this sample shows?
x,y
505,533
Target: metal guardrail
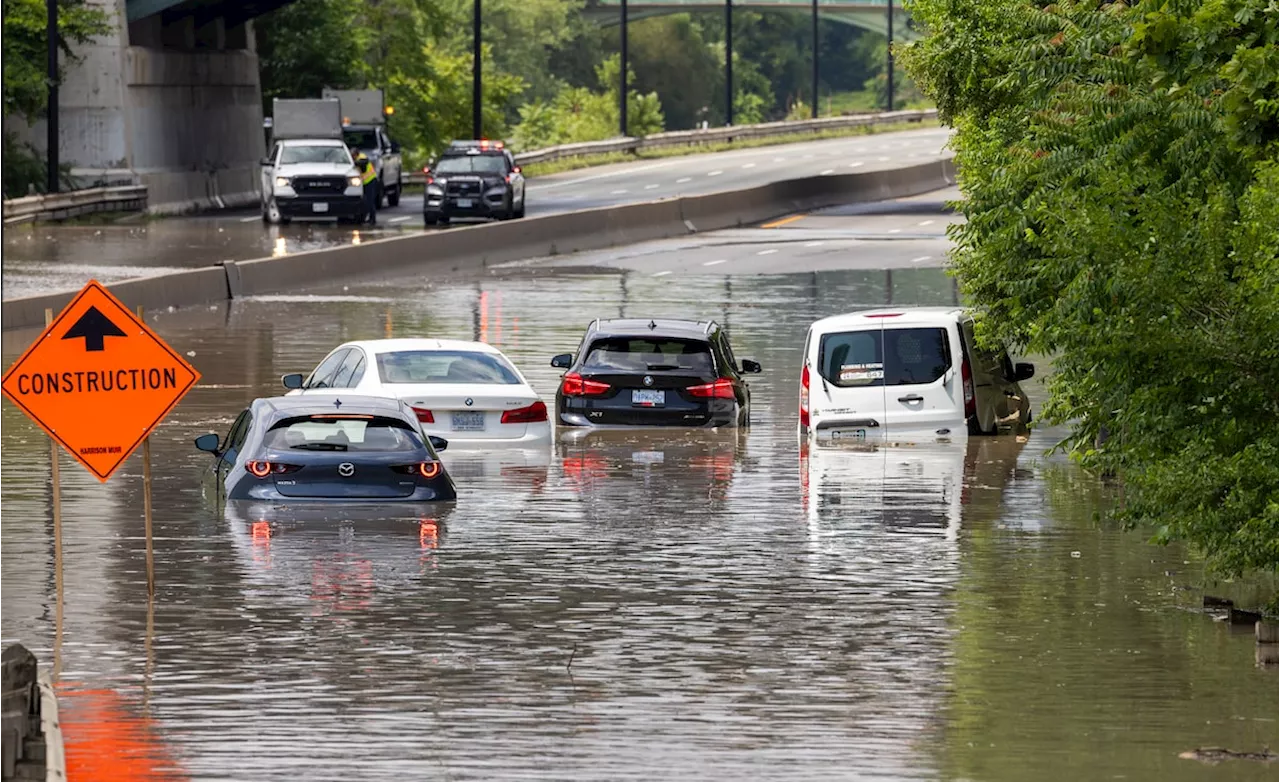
x,y
59,206
690,138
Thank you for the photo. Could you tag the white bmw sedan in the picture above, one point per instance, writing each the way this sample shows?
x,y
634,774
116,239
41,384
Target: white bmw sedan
x,y
466,392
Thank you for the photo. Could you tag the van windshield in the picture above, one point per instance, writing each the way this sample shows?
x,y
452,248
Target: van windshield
x,y
293,155
894,357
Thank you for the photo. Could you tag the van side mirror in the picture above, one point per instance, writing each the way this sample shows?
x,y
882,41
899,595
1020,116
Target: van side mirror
x,y
562,361
395,147
438,443
208,443
291,381
266,161
751,367
1023,371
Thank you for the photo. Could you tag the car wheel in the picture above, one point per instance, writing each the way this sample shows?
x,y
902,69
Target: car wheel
x,y
520,211
393,198
271,213
429,219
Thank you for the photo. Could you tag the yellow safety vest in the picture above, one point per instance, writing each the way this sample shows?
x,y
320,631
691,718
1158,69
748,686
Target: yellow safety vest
x,y
367,172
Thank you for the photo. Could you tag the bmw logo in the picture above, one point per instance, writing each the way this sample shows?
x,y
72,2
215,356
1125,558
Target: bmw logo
x,y
648,380
468,401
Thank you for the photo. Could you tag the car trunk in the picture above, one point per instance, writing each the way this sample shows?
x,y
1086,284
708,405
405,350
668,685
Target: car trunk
x,y
663,401
344,474
463,412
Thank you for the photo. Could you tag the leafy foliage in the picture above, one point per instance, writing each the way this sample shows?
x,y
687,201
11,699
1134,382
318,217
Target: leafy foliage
x,y
578,113
1119,168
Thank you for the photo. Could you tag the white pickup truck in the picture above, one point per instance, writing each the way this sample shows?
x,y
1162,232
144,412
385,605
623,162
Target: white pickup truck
x,y
364,126
309,173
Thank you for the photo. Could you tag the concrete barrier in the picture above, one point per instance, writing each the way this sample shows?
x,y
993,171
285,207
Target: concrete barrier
x,y
478,246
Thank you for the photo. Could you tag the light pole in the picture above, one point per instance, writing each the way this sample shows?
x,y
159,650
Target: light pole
x,y
728,62
475,70
622,100
815,59
888,54
52,111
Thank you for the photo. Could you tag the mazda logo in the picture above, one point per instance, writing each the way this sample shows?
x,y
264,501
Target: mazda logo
x,y
346,469
648,381
468,401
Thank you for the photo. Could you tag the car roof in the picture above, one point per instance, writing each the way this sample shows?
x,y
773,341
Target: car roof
x,y
278,407
377,346
662,327
888,315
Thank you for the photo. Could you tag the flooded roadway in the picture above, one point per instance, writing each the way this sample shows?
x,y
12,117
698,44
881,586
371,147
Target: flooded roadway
x,y
686,606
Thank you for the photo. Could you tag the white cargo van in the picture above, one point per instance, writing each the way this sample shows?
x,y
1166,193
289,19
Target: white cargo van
x,y
906,374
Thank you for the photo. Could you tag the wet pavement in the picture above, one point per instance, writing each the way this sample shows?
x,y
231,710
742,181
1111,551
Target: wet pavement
x,y
46,257
621,606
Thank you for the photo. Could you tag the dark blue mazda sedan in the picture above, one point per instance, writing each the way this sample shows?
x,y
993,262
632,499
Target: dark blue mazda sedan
x,y
327,448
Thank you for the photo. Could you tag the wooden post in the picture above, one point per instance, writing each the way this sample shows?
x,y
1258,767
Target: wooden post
x,y
146,503
55,480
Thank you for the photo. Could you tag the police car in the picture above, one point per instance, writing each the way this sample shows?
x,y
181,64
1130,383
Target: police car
x,y
473,179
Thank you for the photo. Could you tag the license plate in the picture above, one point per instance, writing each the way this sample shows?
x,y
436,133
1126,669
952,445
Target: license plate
x,y
647,398
849,434
464,203
320,207
648,457
468,422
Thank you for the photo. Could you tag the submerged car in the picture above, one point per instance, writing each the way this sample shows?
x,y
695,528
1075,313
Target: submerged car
x,y
906,374
325,448
648,372
466,391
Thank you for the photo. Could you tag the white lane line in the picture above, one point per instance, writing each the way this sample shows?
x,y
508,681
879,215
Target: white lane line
x,y
809,157
684,179
714,263
921,258
250,219
650,187
662,274
617,192
744,165
715,173
912,154
883,159
856,163
399,219
895,230
824,173
779,159
628,171
923,223
766,252
814,244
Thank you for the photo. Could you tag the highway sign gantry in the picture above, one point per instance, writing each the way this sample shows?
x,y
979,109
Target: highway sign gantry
x,y
98,381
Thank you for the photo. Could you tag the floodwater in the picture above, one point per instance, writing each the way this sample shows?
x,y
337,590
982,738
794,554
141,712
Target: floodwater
x,y
712,606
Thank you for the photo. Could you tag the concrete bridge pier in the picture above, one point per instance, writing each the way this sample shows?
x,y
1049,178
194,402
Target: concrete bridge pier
x,y
172,100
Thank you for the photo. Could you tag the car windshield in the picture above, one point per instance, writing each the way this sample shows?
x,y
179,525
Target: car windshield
x,y
360,139
471,164
336,433
894,357
648,354
315,154
445,366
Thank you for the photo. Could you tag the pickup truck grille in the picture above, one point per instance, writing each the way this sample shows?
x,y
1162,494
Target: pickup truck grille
x,y
319,184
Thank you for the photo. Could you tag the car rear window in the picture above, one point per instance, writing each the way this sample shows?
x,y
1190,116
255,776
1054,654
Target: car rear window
x,y
341,433
445,366
648,354
894,357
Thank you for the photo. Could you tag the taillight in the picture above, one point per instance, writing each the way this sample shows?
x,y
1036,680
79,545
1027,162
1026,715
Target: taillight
x,y
804,397
526,415
966,380
722,388
425,469
424,416
577,385
263,469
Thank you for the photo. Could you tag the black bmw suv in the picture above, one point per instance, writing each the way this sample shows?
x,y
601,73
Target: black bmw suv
x,y
473,179
637,372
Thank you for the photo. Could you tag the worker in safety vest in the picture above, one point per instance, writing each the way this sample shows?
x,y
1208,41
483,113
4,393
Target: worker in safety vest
x,y
369,178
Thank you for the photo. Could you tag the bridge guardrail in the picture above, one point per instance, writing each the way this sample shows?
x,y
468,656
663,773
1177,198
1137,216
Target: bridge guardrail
x,y
59,206
680,138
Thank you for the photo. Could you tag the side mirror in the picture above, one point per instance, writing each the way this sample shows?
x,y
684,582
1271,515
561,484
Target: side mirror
x,y
208,443
1023,371
562,361
751,367
266,161
395,147
292,381
438,443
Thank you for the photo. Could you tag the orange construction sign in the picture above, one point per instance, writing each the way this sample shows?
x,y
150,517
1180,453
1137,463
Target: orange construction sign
x,y
98,380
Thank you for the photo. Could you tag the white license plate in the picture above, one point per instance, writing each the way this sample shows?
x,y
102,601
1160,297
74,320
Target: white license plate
x,y
468,422
320,207
849,434
464,203
646,398
648,457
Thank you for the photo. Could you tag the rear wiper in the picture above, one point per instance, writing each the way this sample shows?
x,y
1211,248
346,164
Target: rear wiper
x,y
662,367
319,447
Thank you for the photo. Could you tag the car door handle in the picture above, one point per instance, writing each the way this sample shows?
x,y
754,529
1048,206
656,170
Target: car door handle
x,y
911,398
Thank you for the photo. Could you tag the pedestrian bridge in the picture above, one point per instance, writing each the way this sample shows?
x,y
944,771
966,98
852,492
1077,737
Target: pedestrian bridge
x,y
867,14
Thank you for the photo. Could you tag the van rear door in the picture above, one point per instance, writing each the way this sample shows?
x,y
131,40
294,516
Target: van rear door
x,y
846,392
922,383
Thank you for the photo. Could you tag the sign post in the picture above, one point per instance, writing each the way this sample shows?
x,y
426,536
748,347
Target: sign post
x,y
98,381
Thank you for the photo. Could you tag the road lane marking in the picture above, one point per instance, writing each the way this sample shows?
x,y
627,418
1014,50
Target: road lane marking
x,y
926,222
883,159
856,163
779,159
748,165
828,171
607,175
662,274
814,244
682,180
784,221
912,154
895,230
715,173
921,258
714,263
766,252
617,192
650,187
250,219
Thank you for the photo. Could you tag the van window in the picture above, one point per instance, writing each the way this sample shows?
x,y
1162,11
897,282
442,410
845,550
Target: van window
x,y
894,357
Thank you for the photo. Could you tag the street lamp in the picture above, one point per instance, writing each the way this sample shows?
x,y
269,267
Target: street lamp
x,y
475,70
622,101
51,31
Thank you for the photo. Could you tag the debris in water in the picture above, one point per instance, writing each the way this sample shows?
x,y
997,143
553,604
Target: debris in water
x,y
1215,755
1075,555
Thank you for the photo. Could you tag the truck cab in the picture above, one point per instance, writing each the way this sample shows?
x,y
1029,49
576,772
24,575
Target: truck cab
x,y
364,126
309,173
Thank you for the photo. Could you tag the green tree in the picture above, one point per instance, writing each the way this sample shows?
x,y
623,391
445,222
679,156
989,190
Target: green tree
x,y
1119,170
308,45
